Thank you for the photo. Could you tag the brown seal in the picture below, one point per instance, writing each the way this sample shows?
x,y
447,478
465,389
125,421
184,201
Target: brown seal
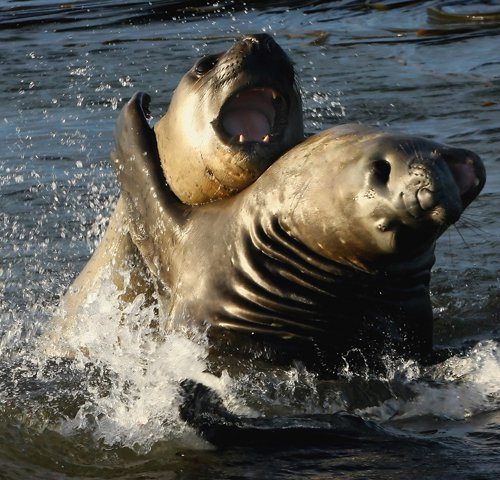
x,y
328,252
238,91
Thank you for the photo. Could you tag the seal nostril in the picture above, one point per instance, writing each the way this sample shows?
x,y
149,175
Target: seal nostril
x,y
260,41
381,170
426,199
270,44
251,39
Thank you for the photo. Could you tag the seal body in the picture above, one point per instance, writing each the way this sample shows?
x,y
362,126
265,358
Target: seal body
x,y
251,90
329,252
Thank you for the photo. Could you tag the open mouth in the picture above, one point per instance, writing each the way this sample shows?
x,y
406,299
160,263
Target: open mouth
x,y
253,115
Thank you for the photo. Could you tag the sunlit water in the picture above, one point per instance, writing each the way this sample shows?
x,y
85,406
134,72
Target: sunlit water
x,y
66,71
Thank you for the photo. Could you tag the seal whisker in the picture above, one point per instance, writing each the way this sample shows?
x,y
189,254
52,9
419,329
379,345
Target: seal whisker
x,y
473,225
461,236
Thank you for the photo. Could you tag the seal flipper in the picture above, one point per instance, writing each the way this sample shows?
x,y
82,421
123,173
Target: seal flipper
x,y
153,209
203,410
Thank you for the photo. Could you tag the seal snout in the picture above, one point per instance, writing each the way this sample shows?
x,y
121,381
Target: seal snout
x,y
424,191
261,42
414,189
427,182
426,198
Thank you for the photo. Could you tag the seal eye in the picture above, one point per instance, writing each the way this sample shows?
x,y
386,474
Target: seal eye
x,y
381,170
205,64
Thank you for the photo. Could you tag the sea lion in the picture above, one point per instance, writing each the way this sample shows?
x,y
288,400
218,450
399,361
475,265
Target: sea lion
x,y
328,252
254,82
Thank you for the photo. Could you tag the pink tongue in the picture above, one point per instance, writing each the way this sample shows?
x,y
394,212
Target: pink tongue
x,y
252,124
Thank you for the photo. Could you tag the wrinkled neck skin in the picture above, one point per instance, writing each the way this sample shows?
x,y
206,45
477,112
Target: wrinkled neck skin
x,y
265,292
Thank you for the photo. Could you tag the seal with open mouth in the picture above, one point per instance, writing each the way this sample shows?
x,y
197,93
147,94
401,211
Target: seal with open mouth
x,y
230,117
327,253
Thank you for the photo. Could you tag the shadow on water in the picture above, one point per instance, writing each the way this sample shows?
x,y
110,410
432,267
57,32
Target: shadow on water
x,y
126,410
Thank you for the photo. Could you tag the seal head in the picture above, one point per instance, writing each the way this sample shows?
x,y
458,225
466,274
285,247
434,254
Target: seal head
x,y
387,197
231,116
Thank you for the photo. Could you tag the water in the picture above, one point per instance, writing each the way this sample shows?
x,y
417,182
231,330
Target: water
x,y
66,70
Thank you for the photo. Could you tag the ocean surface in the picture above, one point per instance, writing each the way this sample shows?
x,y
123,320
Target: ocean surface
x,y
428,68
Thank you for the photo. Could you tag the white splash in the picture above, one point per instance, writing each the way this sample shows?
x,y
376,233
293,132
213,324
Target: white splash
x,y
457,389
141,405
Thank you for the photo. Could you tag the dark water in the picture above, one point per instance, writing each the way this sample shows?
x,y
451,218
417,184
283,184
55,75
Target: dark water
x,y
66,69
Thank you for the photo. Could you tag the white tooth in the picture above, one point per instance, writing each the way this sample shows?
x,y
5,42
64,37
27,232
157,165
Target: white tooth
x,y
275,95
266,139
242,138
